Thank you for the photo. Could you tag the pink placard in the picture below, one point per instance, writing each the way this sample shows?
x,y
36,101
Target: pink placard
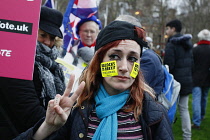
x,y
19,21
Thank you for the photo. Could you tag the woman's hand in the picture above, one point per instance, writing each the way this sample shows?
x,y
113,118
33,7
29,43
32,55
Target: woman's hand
x,y
58,110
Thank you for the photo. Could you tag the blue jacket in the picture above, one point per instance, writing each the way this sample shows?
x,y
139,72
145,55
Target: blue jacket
x,y
151,67
154,123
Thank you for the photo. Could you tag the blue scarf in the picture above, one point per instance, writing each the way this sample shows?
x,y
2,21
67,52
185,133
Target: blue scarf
x,y
106,110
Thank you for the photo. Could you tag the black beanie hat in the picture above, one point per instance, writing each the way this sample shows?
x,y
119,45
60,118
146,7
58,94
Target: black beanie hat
x,y
118,30
51,21
176,24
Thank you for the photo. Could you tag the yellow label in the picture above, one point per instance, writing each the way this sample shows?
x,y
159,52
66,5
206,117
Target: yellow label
x,y
135,70
84,64
109,69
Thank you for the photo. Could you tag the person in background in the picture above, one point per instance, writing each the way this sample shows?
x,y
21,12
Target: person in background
x,y
113,101
150,43
48,76
201,77
23,102
82,52
179,58
150,64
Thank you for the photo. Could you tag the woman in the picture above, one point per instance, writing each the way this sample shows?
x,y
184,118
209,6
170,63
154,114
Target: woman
x,y
48,77
113,101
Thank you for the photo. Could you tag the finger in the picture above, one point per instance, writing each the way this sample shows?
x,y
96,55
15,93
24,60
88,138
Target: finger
x,y
58,110
50,105
57,99
63,115
50,108
69,86
76,94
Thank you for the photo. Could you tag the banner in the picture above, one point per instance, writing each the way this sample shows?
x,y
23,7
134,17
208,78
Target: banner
x,y
19,21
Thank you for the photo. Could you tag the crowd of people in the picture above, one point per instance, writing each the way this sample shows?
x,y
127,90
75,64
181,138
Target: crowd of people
x,y
117,93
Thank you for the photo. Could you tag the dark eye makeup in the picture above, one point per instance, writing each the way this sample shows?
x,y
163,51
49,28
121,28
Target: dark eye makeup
x,y
114,57
132,59
117,57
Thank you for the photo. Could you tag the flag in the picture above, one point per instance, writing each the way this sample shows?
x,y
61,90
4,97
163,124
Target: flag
x,y
75,11
50,4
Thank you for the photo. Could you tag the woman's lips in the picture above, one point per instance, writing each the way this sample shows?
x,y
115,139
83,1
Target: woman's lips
x,y
122,78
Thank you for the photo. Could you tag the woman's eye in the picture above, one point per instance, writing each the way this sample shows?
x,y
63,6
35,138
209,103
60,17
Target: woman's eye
x,y
114,57
42,35
52,38
132,59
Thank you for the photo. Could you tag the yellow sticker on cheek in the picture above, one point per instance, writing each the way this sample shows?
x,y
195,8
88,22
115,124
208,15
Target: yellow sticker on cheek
x,y
109,69
135,70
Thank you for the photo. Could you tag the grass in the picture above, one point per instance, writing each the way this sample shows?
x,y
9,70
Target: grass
x,y
203,133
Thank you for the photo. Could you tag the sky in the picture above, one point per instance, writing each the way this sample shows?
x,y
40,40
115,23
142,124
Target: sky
x,y
175,4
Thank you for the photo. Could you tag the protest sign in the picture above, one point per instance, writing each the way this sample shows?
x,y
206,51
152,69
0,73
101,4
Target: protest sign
x,y
19,21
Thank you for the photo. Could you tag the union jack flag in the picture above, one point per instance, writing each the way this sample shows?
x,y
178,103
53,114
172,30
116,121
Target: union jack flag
x,y
50,4
75,11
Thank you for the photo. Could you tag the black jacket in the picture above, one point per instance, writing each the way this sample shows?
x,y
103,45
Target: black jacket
x,y
154,123
20,107
179,58
201,71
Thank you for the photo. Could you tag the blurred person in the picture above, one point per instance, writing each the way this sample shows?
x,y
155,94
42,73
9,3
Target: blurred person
x,y
201,78
116,106
150,43
150,64
82,52
179,58
23,102
48,76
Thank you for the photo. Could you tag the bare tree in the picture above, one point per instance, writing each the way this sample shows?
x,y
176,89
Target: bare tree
x,y
154,14
195,16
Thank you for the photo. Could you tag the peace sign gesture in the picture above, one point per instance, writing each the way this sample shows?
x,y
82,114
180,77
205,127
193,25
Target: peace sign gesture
x,y
58,110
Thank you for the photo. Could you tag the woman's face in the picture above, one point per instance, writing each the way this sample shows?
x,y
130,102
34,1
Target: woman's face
x,y
126,53
45,38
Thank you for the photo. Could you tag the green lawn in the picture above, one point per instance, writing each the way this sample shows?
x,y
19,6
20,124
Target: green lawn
x,y
203,133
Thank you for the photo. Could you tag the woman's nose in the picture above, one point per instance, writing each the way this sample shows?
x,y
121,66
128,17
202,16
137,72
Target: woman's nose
x,y
123,65
47,42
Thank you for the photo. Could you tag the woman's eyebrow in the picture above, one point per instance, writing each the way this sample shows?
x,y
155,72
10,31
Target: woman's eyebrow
x,y
134,53
116,50
120,51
